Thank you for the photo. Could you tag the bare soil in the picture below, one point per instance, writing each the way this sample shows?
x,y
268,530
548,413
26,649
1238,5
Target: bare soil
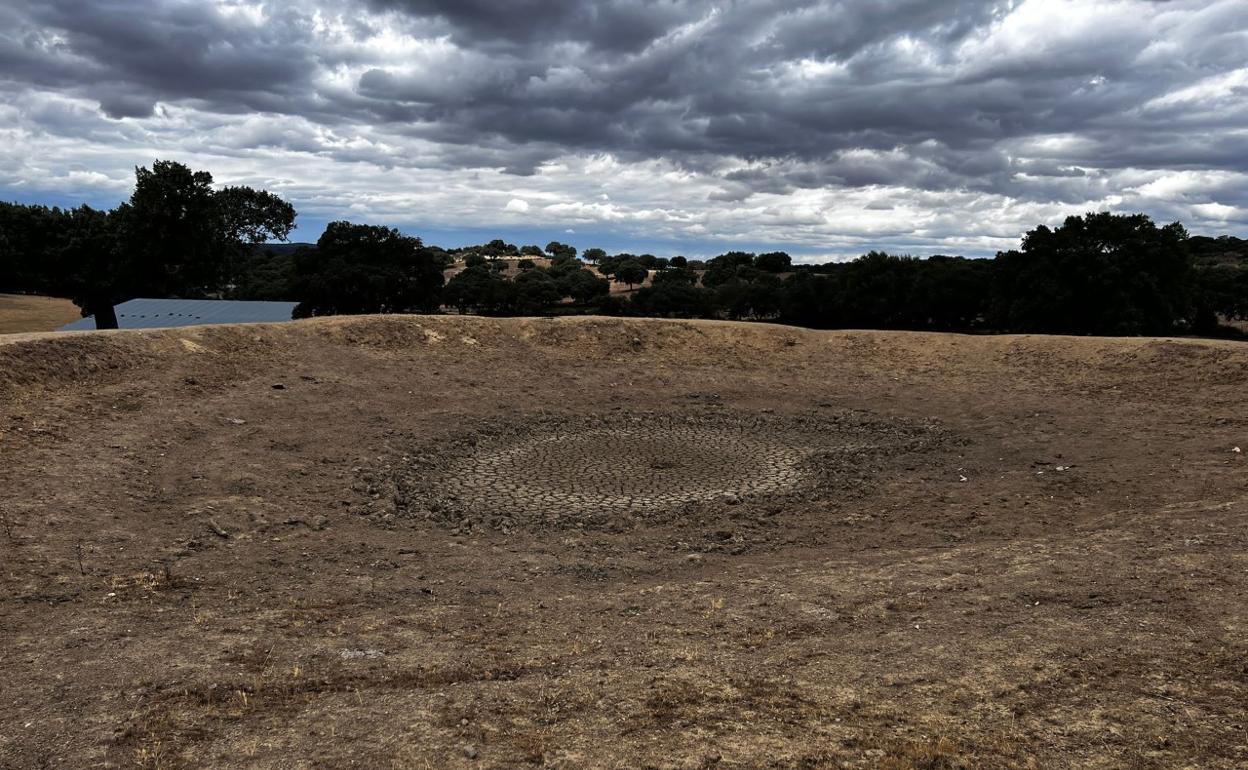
x,y
406,542
28,313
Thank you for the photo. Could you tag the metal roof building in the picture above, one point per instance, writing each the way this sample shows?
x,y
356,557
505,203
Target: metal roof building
x,y
167,313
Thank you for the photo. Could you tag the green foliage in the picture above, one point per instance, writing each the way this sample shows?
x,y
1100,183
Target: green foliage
x,y
760,298
1221,291
98,268
536,290
683,277
673,299
630,272
480,290
564,262
1223,250
583,286
882,291
607,265
169,236
556,249
30,240
366,269
735,265
1097,274
253,216
267,273
774,262
175,237
500,248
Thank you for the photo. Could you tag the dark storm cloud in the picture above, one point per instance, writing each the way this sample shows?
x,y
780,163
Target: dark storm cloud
x,y
613,25
686,79
1034,101
129,55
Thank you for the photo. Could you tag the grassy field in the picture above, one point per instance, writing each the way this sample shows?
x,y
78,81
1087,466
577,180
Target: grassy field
x,y
432,542
23,313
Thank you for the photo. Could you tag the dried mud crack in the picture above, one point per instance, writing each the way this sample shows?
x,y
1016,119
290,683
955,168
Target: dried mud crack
x,y
563,472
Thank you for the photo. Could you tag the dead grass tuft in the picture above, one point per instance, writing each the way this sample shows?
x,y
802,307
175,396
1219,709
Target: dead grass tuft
x,y
938,754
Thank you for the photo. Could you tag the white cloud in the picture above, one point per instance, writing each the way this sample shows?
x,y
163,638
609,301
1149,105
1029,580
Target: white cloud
x,y
1206,92
825,127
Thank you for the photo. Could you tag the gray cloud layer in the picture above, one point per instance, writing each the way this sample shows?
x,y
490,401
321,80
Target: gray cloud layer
x,y
825,126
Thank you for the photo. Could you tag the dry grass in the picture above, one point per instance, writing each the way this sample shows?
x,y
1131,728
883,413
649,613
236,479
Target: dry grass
x,y
21,313
970,607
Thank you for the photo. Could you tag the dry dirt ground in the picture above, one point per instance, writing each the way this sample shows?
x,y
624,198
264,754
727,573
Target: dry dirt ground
x,y
457,542
23,313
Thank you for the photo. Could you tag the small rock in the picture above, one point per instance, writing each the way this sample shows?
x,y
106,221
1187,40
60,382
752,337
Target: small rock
x,y
694,558
1237,451
278,386
320,523
470,752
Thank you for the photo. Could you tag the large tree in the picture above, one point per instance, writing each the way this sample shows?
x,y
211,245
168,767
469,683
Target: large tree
x,y
358,269
1101,273
176,236
583,286
630,272
556,249
480,290
774,262
536,290
30,244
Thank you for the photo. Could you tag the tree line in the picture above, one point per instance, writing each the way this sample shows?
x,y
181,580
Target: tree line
x,y
178,236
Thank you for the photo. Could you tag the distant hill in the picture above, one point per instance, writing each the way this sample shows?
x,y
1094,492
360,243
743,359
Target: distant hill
x,y
1222,250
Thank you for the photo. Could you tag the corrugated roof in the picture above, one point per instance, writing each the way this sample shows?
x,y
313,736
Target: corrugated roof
x,y
166,313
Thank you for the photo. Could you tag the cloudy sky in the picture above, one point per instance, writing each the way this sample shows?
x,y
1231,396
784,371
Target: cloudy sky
x,y
822,127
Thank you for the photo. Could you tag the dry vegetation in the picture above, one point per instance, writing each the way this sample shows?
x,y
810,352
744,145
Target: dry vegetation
x,y
23,313
206,562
